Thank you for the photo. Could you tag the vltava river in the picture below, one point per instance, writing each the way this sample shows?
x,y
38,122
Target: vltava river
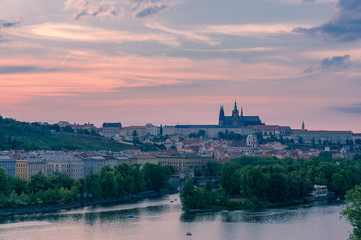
x,y
156,219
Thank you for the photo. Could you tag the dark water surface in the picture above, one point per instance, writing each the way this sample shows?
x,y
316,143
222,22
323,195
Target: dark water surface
x,y
159,218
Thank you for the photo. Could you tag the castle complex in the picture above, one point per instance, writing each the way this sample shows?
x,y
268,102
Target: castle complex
x,y
237,120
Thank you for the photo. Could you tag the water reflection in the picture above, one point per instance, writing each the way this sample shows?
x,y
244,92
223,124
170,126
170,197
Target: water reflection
x,y
162,219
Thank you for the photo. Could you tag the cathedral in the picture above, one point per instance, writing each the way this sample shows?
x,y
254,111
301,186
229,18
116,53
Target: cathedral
x,y
237,120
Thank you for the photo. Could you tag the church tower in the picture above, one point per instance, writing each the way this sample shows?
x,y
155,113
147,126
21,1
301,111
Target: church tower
x,y
221,116
235,115
242,120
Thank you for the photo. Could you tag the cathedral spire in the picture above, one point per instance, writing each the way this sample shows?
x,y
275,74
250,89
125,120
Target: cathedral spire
x,y
241,111
235,105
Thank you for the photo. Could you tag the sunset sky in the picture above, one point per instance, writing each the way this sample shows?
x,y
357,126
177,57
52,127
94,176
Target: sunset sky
x,y
169,62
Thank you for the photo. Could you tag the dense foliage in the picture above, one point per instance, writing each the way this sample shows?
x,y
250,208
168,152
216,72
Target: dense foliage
x,y
353,211
33,136
275,181
60,188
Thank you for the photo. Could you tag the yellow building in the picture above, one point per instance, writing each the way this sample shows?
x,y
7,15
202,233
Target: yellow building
x,y
21,169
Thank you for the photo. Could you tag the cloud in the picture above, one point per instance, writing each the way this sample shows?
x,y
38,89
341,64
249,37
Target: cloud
x,y
5,24
339,62
351,108
73,32
334,63
345,24
308,70
91,8
101,8
24,69
146,8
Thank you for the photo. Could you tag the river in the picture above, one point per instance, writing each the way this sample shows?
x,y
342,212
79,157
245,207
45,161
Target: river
x,y
162,218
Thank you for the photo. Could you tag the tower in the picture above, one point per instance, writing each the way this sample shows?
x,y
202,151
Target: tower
x,y
235,115
242,120
303,125
221,116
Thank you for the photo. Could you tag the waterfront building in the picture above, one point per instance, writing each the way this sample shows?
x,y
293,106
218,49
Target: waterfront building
x,y
8,163
36,164
21,169
92,163
64,163
319,192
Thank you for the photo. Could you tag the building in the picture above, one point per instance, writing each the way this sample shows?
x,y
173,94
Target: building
x,y
133,131
35,163
272,130
322,137
235,123
184,165
251,141
21,169
9,164
237,120
146,158
61,162
152,130
111,129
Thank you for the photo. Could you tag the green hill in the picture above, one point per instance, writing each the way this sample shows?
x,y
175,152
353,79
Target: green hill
x,y
33,136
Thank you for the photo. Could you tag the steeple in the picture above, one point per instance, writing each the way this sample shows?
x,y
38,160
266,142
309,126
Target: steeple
x,y
221,111
242,112
235,110
221,116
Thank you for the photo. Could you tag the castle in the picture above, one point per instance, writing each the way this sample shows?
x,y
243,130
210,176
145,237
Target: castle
x,y
237,120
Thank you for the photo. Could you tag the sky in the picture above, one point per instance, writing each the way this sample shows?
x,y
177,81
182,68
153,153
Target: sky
x,y
176,61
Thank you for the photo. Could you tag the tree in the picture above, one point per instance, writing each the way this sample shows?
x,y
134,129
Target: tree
x,y
37,182
278,187
230,178
325,156
68,129
92,185
19,185
55,127
187,194
157,176
59,180
338,184
108,182
254,183
213,168
353,211
3,182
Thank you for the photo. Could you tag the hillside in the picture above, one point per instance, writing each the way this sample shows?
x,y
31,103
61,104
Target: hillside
x,y
33,136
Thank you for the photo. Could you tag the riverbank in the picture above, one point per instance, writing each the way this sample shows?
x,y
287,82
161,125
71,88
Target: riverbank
x,y
256,204
86,202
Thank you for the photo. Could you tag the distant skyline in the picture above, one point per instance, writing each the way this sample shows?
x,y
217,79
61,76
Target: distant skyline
x,y
169,62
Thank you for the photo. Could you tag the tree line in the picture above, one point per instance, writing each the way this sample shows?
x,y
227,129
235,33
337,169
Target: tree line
x,y
60,188
273,181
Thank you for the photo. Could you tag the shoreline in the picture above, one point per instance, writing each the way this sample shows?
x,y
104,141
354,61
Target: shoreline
x,y
84,203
